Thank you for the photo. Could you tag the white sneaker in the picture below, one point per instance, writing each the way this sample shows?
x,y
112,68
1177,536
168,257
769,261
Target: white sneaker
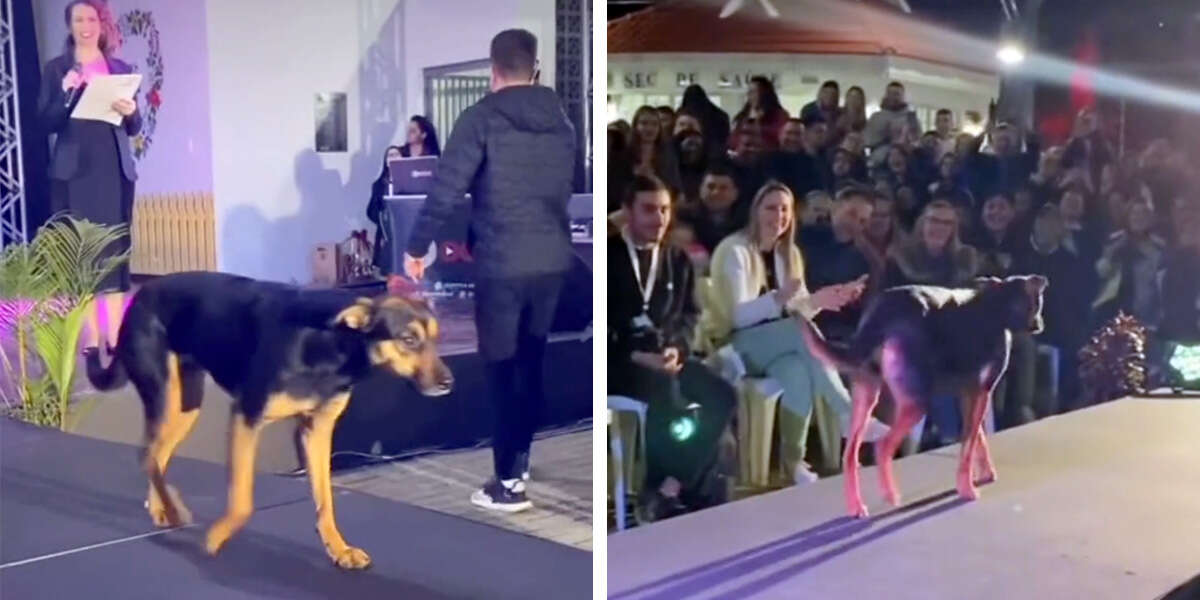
x,y
876,429
804,475
504,496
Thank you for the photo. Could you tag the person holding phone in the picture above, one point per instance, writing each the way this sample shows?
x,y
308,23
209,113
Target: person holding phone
x,y
92,169
759,291
652,313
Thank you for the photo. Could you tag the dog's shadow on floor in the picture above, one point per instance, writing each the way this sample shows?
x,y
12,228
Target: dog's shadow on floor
x,y
707,576
273,567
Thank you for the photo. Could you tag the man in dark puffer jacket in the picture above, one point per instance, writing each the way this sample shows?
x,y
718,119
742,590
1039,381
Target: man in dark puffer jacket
x,y
514,151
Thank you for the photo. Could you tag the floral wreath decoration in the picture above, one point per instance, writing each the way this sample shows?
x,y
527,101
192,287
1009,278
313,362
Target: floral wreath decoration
x,y
140,23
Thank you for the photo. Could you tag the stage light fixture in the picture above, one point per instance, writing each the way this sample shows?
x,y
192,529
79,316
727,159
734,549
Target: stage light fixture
x,y
1010,54
1185,360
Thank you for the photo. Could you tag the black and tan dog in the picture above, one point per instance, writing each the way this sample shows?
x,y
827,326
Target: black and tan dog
x,y
926,342
280,352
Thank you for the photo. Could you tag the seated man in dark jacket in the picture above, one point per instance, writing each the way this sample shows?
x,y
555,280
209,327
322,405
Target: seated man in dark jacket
x,y
514,151
1008,167
1181,279
833,255
652,316
1180,323
1066,302
808,168
718,214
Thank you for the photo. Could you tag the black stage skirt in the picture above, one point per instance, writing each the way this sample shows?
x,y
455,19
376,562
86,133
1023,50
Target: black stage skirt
x,y
99,191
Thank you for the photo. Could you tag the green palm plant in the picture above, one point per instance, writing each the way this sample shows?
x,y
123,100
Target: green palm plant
x,y
49,285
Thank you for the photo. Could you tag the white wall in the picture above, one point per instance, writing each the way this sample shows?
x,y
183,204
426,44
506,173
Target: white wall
x,y
238,104
179,158
442,32
275,196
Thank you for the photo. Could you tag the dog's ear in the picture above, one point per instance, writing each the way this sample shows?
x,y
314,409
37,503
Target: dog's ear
x,y
1036,284
983,283
358,315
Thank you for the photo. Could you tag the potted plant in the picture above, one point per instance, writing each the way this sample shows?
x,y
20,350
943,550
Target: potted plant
x,y
46,289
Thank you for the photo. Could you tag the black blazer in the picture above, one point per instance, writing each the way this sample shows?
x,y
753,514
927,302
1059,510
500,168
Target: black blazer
x,y
54,112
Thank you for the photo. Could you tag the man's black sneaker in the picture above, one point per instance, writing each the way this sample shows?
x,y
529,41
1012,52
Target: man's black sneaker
x,y
653,506
495,495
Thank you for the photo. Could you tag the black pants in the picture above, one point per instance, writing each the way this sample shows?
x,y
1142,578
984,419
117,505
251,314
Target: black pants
x,y
1014,395
690,460
512,318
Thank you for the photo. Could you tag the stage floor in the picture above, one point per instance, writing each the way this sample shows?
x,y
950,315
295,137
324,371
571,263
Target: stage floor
x,y
73,526
560,487
1098,503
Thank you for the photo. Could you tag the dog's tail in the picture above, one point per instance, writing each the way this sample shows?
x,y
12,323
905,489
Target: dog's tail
x,y
845,360
104,378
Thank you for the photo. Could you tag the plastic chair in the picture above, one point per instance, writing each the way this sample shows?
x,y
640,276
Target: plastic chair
x,y
758,399
1052,355
624,479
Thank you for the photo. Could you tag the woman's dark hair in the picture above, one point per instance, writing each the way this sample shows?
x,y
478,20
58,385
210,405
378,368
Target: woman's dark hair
x,y
383,173
643,183
616,143
908,163
648,112
767,98
431,147
106,25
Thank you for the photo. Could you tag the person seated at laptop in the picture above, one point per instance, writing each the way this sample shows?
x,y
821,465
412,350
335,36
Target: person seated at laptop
x,y
382,256
420,140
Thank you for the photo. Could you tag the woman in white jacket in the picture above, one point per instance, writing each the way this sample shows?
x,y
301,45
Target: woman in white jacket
x,y
758,289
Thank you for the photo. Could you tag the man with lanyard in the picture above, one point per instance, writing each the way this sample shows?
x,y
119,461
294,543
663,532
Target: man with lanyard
x,y
652,317
514,151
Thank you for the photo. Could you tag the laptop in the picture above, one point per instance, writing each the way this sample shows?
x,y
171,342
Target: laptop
x,y
412,176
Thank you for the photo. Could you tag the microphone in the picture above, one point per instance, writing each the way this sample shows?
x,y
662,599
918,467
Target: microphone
x,y
73,93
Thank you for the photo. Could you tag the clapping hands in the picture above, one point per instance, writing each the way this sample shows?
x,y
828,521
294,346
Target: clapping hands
x,y
834,297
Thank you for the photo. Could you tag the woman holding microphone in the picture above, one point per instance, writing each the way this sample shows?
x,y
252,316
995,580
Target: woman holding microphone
x,y
91,167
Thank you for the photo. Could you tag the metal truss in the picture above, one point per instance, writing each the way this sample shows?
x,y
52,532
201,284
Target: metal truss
x,y
12,181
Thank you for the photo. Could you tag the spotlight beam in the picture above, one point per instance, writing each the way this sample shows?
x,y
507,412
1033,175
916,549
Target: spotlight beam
x,y
978,53
1008,16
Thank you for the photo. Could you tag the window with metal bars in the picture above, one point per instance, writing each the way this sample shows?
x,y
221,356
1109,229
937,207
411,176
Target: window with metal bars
x,y
449,90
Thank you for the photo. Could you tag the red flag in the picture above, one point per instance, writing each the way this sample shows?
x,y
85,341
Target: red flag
x,y
1083,84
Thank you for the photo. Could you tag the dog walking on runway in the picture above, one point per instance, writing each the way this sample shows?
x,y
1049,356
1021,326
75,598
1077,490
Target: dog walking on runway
x,y
927,342
280,352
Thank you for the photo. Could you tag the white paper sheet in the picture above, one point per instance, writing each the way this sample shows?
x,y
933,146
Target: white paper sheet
x,y
101,92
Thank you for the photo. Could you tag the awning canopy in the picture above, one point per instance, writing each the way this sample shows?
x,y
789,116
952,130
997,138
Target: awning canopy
x,y
804,27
